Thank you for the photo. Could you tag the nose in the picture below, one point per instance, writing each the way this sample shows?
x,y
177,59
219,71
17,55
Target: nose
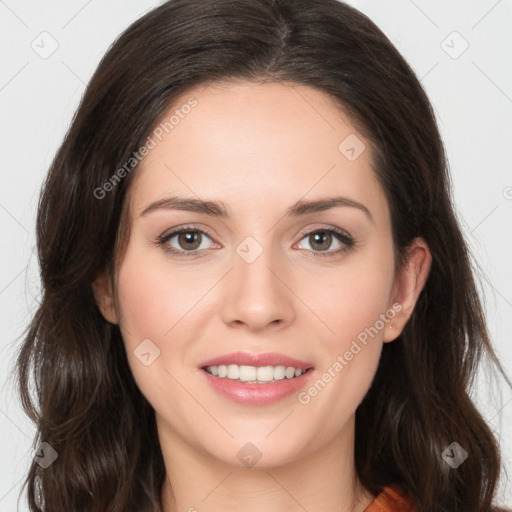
x,y
258,295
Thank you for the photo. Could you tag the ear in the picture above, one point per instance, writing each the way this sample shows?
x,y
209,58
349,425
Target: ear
x,y
102,290
407,287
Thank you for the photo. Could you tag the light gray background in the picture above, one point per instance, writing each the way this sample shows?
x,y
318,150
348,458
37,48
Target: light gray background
x,y
471,92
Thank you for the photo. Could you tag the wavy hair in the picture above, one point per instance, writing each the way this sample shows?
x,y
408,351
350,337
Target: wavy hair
x,y
85,402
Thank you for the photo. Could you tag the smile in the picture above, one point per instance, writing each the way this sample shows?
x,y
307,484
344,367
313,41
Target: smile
x,y
254,374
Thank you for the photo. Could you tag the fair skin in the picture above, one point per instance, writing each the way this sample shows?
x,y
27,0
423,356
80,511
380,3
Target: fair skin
x,y
258,149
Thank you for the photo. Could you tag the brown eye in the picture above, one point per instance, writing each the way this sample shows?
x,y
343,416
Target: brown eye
x,y
320,240
190,240
187,241
328,242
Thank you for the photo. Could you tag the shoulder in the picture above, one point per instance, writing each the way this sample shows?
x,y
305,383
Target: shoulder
x,y
392,498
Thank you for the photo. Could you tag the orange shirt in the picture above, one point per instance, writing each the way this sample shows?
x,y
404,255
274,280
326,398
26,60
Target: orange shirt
x,y
391,499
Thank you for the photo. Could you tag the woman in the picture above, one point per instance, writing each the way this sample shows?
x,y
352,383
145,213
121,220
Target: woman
x,y
256,294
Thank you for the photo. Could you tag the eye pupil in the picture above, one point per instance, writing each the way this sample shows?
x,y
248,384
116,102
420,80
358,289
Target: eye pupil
x,y
318,236
187,237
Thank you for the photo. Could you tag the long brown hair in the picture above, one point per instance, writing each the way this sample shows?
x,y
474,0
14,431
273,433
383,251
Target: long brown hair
x,y
87,406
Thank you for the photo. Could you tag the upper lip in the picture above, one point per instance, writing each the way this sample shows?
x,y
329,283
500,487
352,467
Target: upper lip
x,y
252,359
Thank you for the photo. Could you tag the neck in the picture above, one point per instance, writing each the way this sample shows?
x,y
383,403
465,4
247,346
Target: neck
x,y
321,480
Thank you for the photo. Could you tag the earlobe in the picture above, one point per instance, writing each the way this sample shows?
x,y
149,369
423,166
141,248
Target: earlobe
x,y
408,285
102,290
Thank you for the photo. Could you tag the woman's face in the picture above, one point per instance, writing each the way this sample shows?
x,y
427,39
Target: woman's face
x,y
268,275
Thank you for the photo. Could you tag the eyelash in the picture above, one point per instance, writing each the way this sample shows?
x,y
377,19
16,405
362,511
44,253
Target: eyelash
x,y
348,242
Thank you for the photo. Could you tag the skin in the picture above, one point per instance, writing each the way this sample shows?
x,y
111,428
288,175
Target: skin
x,y
259,148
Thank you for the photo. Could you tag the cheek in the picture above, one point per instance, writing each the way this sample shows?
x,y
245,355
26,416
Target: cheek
x,y
352,298
352,304
352,350
152,305
163,305
144,302
152,299
359,314
352,308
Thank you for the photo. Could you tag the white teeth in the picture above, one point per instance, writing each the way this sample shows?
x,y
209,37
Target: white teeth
x,y
289,372
233,371
279,372
254,374
265,373
247,373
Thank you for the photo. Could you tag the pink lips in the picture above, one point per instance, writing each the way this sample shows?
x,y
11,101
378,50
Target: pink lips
x,y
248,359
257,394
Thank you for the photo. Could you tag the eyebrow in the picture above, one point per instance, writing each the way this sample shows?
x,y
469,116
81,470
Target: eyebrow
x,y
217,208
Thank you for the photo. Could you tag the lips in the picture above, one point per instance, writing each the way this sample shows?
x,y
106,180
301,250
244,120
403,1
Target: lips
x,y
257,394
251,359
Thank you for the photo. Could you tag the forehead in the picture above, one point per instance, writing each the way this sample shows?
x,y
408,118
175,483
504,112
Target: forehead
x,y
253,146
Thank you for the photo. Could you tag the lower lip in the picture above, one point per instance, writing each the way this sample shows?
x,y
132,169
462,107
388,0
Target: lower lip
x,y
257,394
